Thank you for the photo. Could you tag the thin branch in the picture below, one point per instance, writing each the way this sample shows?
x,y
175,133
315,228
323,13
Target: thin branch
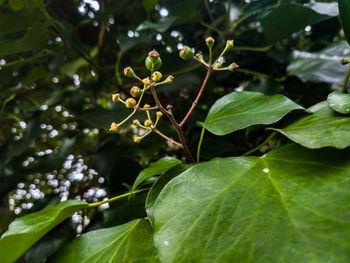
x,y
167,138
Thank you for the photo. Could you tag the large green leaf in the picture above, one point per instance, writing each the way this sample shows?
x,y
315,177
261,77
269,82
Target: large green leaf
x,y
239,110
322,66
291,206
26,230
339,102
344,12
131,242
287,19
323,128
159,167
162,25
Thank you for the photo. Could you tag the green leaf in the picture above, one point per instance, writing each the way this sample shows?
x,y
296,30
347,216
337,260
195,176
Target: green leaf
x,y
291,206
344,12
322,66
321,129
34,39
239,110
288,18
159,185
26,230
131,242
149,5
162,25
159,167
339,102
16,4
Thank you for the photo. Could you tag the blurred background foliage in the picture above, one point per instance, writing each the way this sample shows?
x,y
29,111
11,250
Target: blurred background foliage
x,y
60,61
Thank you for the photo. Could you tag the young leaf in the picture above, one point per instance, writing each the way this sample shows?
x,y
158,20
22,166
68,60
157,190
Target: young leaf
x,y
323,66
288,18
131,242
239,110
291,206
339,102
344,12
26,230
321,129
159,167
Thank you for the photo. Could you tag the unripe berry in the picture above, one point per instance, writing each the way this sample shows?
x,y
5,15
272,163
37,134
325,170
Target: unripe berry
x,y
135,91
233,67
344,61
146,81
137,140
115,97
159,114
229,44
186,53
169,79
130,103
136,122
156,76
114,127
154,55
153,61
148,123
210,42
128,72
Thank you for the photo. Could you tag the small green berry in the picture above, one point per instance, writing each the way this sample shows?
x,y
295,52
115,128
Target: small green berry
x,y
210,42
186,53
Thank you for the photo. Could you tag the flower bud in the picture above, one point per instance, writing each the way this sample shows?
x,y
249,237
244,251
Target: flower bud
x,y
233,67
137,140
146,106
135,91
153,61
344,61
128,72
199,56
186,53
136,122
146,81
115,97
114,127
130,103
169,79
210,42
148,123
159,114
229,44
156,76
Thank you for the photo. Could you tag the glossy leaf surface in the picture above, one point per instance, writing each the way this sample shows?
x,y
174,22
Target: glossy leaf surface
x,y
128,243
323,128
339,102
239,110
289,206
26,230
159,167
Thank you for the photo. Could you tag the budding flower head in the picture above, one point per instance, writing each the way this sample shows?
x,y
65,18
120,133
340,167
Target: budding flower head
x,y
114,127
344,61
130,103
148,123
233,67
153,60
210,42
229,44
128,72
156,76
135,91
137,140
186,53
146,81
159,114
136,122
115,97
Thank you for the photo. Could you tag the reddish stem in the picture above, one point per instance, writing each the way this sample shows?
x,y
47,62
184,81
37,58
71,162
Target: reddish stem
x,y
194,104
167,138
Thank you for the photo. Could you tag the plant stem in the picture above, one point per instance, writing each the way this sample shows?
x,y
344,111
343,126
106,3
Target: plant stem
x,y
200,145
197,99
260,145
343,90
117,197
167,138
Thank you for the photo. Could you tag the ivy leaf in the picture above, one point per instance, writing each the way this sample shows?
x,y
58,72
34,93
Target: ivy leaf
x,y
323,66
239,110
16,5
131,242
26,230
277,27
339,102
159,167
290,206
162,25
321,129
344,12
